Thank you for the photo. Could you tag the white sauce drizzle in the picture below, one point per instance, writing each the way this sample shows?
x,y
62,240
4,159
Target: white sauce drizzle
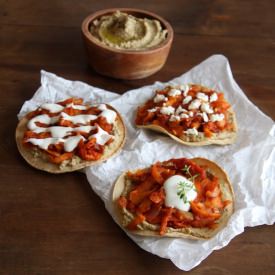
x,y
45,119
79,119
102,107
71,142
102,137
52,107
44,143
60,131
110,115
77,107
61,134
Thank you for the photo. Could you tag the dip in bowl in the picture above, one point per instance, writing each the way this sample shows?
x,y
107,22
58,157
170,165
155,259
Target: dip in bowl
x,y
126,43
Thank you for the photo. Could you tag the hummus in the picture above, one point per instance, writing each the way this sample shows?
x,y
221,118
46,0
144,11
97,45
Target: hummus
x,y
127,32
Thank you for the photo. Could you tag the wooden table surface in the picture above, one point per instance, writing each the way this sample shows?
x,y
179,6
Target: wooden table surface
x,y
56,224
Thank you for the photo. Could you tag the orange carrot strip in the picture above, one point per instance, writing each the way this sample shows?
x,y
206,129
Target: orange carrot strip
x,y
33,114
65,123
30,134
72,112
157,196
156,173
200,210
207,132
137,196
214,203
153,215
102,122
206,222
122,202
90,150
144,206
76,101
167,215
183,216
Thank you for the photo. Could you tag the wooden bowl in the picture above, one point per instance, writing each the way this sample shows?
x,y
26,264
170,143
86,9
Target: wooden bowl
x,y
125,64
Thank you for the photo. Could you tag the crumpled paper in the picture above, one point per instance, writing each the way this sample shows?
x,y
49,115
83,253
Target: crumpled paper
x,y
250,162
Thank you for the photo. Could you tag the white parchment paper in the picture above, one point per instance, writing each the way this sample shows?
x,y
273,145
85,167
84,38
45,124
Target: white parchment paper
x,y
250,162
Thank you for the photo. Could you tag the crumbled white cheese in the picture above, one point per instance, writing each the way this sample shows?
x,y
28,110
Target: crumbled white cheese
x,y
174,118
213,97
158,98
202,96
174,92
187,99
205,107
152,110
191,114
182,115
195,104
217,117
180,110
169,110
185,88
204,116
192,131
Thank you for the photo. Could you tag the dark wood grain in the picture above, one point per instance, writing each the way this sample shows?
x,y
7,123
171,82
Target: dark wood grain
x,y
56,224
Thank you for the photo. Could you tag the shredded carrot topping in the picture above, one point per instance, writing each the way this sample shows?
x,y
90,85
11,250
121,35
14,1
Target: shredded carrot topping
x,y
87,148
146,198
184,118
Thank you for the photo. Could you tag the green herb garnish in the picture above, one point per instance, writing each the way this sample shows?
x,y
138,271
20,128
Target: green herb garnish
x,y
183,188
186,170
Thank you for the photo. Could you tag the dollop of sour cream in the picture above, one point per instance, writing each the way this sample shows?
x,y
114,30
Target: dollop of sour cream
x,y
176,185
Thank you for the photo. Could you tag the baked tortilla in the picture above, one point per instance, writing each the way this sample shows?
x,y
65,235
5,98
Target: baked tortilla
x,y
39,159
222,138
146,229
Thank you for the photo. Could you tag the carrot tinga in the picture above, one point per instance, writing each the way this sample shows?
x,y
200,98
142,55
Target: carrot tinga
x,y
174,195
69,127
192,114
70,133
